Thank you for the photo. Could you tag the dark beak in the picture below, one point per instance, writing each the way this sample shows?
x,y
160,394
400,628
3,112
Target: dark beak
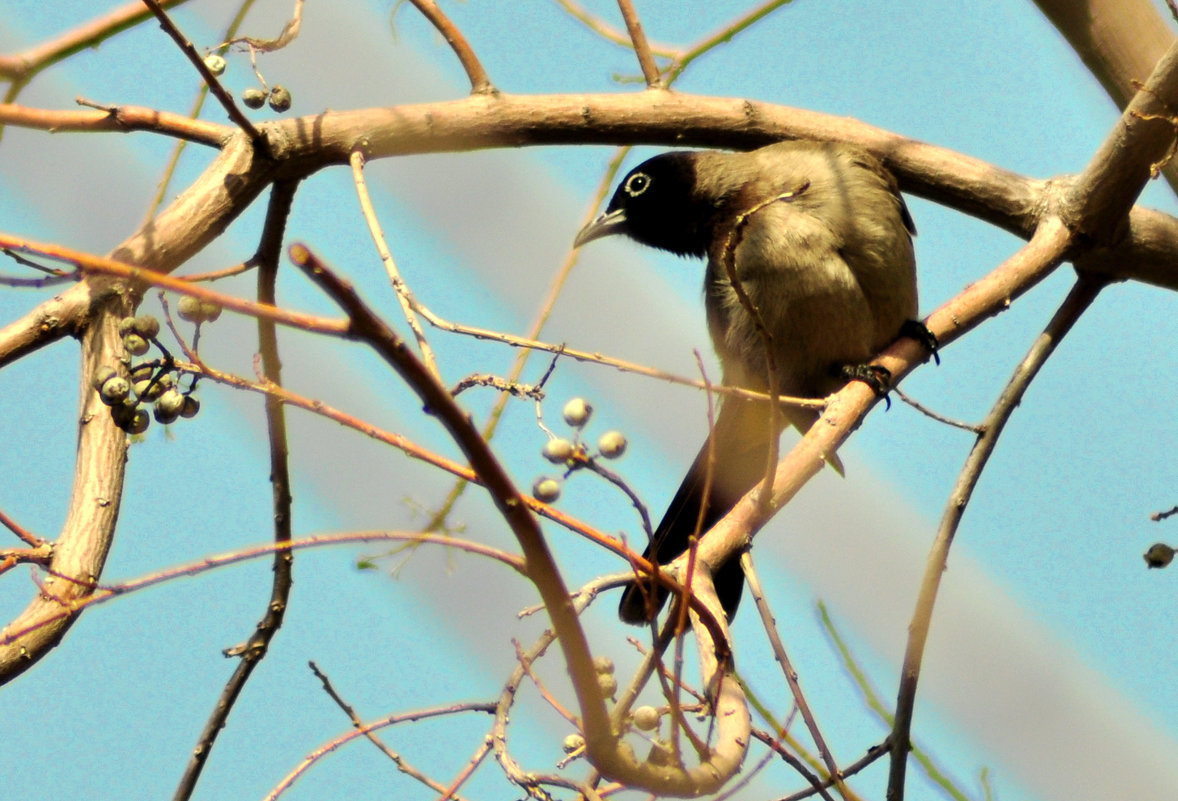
x,y
608,224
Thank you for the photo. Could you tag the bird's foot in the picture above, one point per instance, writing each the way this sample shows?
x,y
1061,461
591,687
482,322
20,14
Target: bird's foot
x,y
876,376
915,329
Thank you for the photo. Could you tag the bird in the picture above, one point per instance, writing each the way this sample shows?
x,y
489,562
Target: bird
x,y
819,240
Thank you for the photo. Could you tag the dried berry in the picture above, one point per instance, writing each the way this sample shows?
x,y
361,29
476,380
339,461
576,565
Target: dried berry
x,y
253,97
280,99
215,63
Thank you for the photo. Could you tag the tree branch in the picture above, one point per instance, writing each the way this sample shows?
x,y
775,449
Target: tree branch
x,y
1077,301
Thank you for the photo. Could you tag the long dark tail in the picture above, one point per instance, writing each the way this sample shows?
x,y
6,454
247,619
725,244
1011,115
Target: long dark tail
x,y
741,438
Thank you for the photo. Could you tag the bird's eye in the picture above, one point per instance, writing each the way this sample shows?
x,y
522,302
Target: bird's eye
x,y
636,184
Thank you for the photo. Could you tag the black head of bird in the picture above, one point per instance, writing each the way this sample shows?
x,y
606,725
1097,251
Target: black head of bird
x,y
657,204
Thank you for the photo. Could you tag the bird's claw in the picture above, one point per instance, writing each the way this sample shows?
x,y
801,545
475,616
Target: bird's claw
x,y
876,376
915,329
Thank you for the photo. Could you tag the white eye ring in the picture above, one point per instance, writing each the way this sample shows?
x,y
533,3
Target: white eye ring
x,y
636,184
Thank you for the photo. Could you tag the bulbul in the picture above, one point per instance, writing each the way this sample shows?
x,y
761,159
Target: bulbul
x,y
820,241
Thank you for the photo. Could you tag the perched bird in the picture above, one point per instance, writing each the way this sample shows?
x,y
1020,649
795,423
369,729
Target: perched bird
x,y
820,241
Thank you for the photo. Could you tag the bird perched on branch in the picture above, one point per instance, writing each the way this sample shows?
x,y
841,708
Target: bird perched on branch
x,y
810,271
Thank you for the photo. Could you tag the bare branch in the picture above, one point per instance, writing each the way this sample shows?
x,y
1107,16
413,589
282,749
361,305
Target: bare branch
x,y
404,295
602,742
254,650
480,84
211,80
369,732
1077,301
650,70
364,731
22,67
65,608
769,623
119,119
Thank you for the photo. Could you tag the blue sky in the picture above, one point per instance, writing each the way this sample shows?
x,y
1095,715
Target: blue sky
x,y
1051,651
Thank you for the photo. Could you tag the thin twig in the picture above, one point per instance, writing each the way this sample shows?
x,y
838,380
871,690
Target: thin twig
x,y
391,720
791,676
23,66
101,265
193,113
219,92
1157,517
217,275
404,294
254,649
288,34
940,418
480,84
722,36
650,70
876,705
472,765
367,731
596,467
1077,301
607,32
874,753
525,662
533,392
119,119
28,537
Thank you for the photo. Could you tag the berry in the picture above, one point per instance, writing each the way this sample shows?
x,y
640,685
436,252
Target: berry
x,y
210,310
280,99
135,344
612,444
1159,555
191,406
577,412
558,451
148,390
215,63
139,422
253,97
189,309
603,664
546,489
114,390
163,417
646,718
102,374
146,326
170,403
574,742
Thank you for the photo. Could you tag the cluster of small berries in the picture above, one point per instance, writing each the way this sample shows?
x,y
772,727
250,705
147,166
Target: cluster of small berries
x,y
572,453
278,97
154,382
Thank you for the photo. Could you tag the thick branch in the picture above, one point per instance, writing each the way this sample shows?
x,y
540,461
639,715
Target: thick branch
x,y
80,549
1119,42
302,146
